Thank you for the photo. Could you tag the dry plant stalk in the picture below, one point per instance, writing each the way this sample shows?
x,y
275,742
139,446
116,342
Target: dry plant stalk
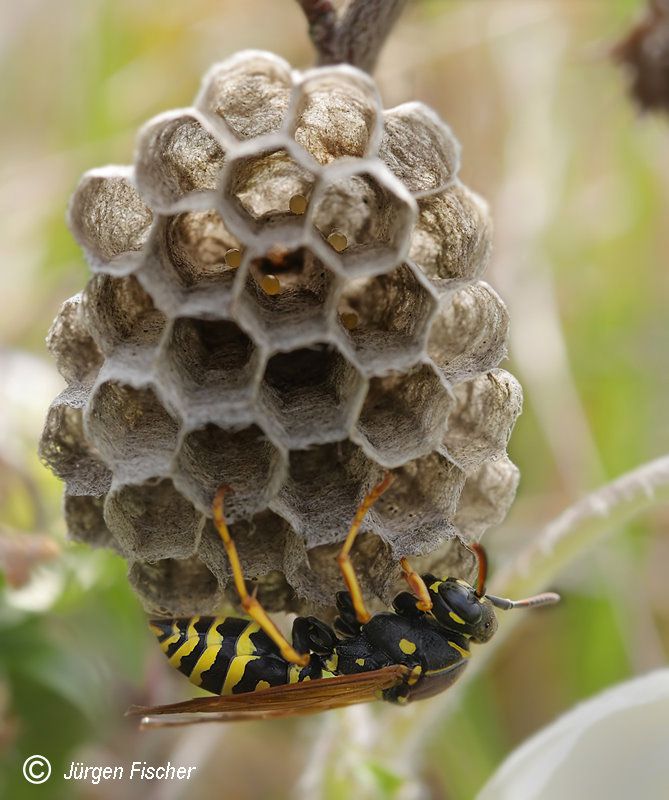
x,y
644,53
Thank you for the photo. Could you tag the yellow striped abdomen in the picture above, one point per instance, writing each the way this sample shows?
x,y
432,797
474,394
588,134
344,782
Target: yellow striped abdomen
x,y
223,655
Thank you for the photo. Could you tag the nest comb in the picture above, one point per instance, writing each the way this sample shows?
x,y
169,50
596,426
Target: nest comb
x,y
286,298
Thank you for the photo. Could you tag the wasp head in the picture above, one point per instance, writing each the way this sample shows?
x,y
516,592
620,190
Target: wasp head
x,y
457,606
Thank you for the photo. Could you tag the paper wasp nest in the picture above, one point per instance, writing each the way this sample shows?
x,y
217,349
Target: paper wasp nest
x,y
286,298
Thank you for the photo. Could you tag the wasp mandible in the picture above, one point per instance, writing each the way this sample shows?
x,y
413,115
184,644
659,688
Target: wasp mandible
x,y
412,652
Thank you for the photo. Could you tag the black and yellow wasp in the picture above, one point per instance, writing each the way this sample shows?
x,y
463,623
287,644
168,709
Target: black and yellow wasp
x,y
417,650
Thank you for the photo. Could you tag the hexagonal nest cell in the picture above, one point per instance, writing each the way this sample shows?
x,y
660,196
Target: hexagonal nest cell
x,y
152,520
135,435
243,459
336,117
372,220
260,540
325,485
69,341
198,243
262,186
310,395
210,363
187,266
386,318
286,287
122,314
64,448
404,414
168,584
317,574
85,521
108,218
481,422
288,298
469,334
418,148
453,235
176,155
418,510
249,92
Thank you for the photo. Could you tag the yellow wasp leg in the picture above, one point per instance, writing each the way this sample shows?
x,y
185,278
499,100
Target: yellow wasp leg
x,y
343,559
417,586
249,602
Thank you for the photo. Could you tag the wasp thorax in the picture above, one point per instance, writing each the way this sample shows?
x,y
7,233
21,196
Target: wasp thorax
x,y
288,288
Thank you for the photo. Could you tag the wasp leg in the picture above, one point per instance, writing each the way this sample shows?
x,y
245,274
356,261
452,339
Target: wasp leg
x,y
405,605
344,560
312,635
346,623
248,601
417,586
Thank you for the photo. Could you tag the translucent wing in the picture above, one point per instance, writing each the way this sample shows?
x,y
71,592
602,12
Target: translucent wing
x,y
297,699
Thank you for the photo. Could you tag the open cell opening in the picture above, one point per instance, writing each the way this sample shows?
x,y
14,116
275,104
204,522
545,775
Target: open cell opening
x,y
122,314
311,394
176,156
85,521
415,514
363,221
249,91
175,587
201,248
385,318
245,460
263,186
69,341
404,416
287,295
108,218
336,115
260,540
131,429
325,485
67,452
211,360
152,520
191,263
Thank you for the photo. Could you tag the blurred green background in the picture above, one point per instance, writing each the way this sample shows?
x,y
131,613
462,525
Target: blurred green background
x,y
579,186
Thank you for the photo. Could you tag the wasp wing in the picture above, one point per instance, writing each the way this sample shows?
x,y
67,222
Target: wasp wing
x,y
297,699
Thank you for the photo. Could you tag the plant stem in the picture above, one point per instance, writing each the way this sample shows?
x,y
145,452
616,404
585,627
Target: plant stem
x,y
355,35
322,18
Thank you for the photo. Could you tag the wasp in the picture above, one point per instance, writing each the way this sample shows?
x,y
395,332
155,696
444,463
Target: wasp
x,y
415,651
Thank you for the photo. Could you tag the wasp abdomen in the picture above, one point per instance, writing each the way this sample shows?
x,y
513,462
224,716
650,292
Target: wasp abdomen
x,y
226,655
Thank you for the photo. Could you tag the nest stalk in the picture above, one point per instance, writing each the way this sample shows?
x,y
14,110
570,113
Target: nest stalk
x,y
355,34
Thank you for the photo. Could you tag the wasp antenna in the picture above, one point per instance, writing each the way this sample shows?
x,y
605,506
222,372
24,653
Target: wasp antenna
x,y
545,599
482,559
